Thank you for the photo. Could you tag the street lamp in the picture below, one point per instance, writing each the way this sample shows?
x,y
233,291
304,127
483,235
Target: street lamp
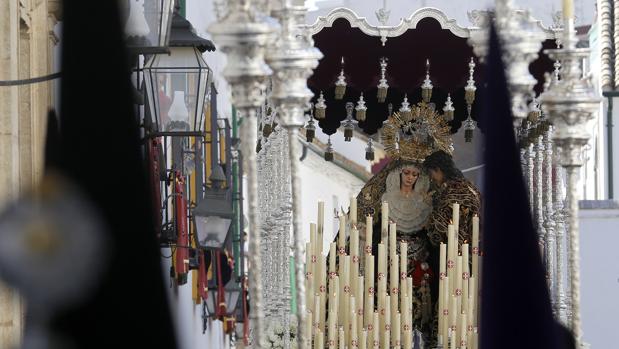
x,y
147,24
213,215
177,83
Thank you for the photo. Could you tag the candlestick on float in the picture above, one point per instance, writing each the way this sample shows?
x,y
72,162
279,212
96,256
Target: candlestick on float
x,y
376,331
309,276
395,331
445,313
353,210
359,311
354,257
369,290
394,284
320,226
441,283
384,223
452,248
475,246
332,261
323,291
403,273
465,277
456,219
458,290
387,327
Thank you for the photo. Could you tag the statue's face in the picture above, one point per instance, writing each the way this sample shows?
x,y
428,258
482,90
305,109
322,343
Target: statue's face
x,y
408,177
437,175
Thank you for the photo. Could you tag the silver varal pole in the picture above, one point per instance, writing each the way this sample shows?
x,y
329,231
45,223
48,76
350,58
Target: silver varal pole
x,y
570,105
293,58
243,34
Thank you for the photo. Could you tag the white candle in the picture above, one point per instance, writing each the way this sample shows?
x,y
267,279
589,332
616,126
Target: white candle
x,y
465,277
568,9
309,271
354,257
452,247
394,285
456,218
323,291
403,273
445,313
376,332
458,291
332,262
341,238
341,338
475,246
473,296
309,329
353,210
387,327
352,335
395,331
462,334
441,283
384,221
382,262
320,225
364,339
369,294
359,295
331,331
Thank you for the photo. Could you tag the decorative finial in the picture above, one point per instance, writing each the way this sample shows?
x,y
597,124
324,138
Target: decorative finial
x,y
320,107
383,86
361,108
329,150
426,88
340,84
369,151
448,109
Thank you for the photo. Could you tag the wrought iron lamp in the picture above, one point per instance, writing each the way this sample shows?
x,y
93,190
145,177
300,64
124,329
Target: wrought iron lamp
x,y
405,110
320,107
329,151
147,24
340,84
177,84
349,123
448,109
213,215
426,88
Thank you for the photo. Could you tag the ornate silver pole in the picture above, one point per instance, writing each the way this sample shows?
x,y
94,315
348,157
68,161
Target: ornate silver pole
x,y
530,171
243,37
293,59
521,43
539,184
549,225
559,220
571,104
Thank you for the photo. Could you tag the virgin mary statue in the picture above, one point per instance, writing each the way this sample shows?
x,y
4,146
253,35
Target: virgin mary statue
x,y
404,185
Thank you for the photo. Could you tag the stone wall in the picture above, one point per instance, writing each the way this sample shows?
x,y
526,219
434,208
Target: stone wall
x,y
26,44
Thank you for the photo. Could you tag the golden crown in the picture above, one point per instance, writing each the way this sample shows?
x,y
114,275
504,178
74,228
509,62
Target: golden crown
x,y
414,135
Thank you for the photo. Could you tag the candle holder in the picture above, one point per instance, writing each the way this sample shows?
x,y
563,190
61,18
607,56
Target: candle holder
x,y
470,88
426,88
340,84
320,107
361,109
448,109
521,42
383,86
570,104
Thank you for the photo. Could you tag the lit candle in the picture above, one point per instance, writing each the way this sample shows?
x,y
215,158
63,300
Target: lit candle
x,y
568,9
475,246
369,294
384,222
353,210
332,263
456,218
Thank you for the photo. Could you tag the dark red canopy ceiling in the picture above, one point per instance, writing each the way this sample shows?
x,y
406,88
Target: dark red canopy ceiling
x,y
449,56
